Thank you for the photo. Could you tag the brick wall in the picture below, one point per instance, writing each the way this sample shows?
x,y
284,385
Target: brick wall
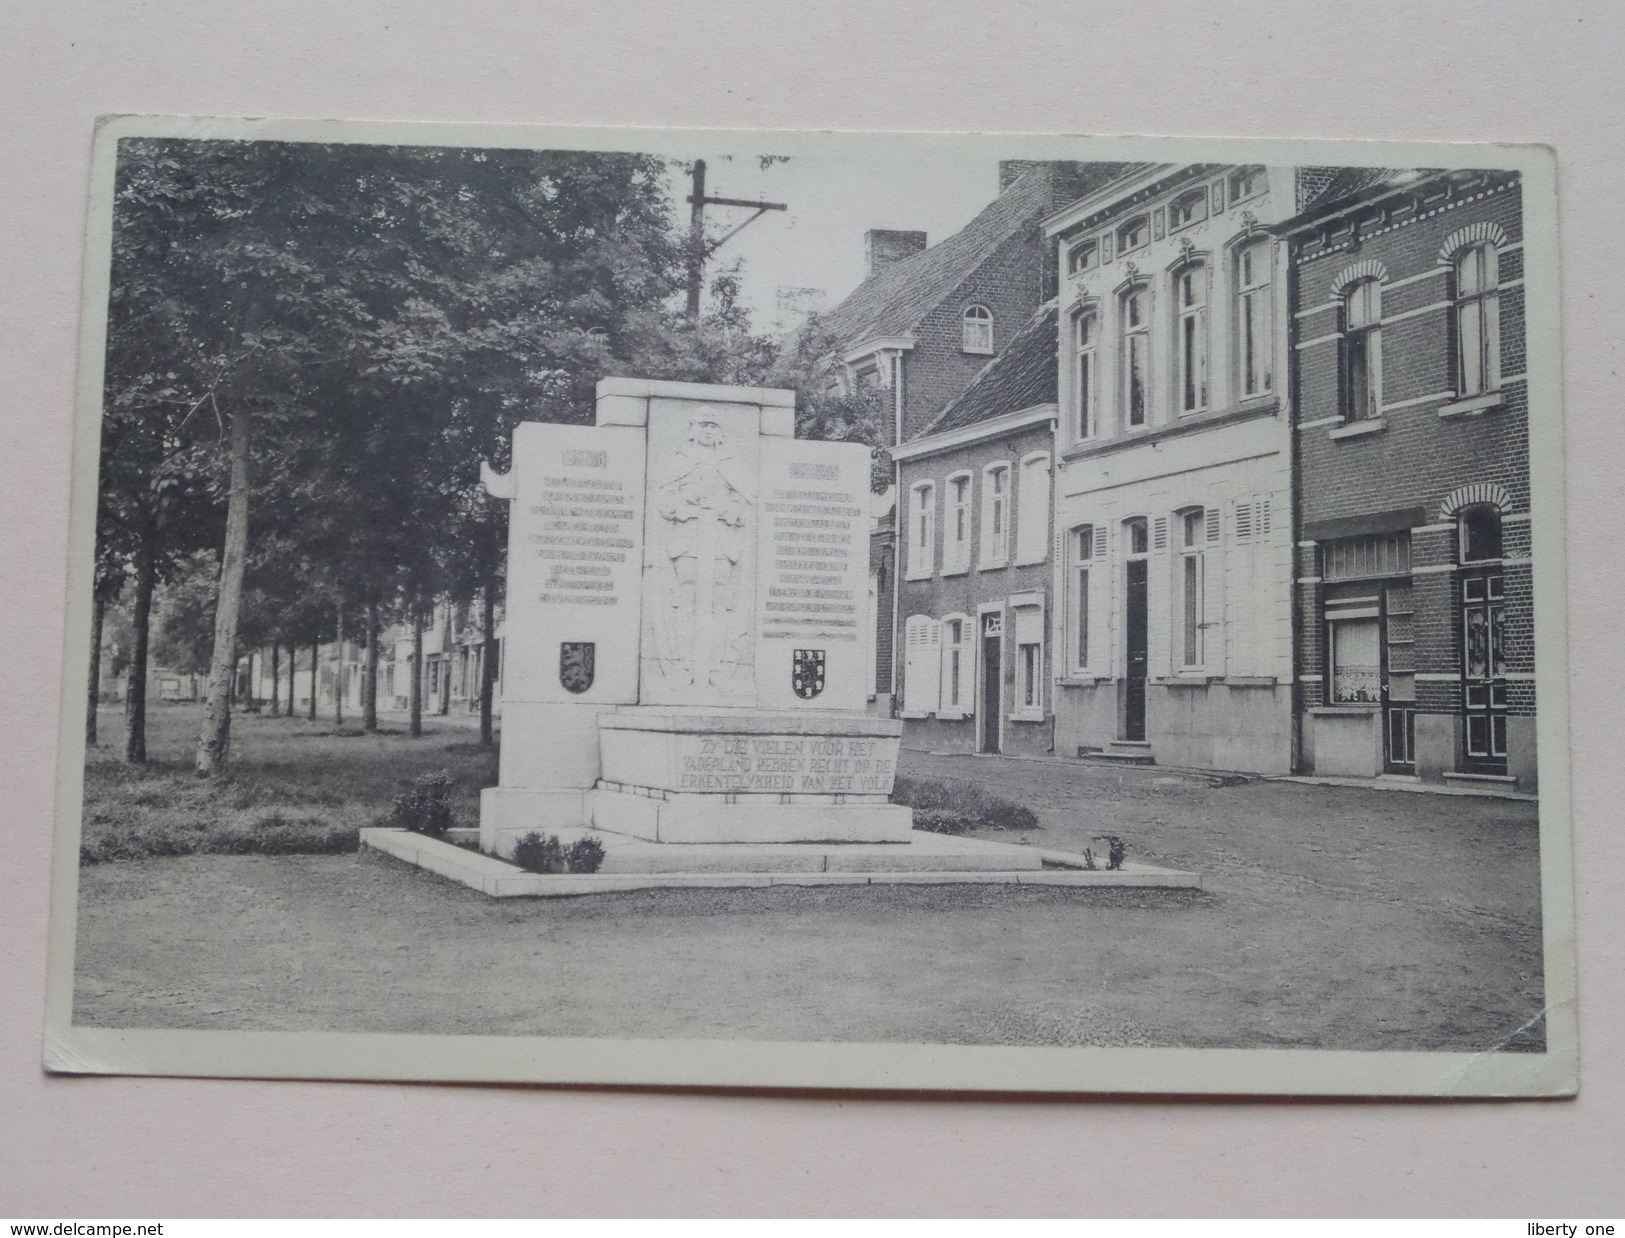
x,y
937,369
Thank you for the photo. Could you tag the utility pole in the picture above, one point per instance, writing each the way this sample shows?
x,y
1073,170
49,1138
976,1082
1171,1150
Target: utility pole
x,y
698,248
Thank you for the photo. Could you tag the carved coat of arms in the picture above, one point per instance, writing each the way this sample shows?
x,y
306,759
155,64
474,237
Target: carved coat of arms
x,y
577,660
807,673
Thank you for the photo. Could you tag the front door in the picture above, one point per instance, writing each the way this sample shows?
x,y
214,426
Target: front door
x,y
1135,612
1399,678
992,679
1483,670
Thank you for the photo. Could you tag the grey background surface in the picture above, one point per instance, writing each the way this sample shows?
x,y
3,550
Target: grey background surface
x,y
1387,68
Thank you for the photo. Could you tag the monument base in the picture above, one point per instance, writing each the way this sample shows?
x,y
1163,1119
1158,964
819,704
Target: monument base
x,y
507,814
661,816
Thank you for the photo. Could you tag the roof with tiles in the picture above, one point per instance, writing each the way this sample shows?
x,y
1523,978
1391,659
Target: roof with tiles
x,y
1022,376
895,299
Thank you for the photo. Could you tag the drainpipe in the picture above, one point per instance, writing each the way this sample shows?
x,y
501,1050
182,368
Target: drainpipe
x,y
1295,497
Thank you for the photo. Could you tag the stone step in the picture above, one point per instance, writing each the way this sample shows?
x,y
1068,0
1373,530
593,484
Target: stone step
x,y
1118,755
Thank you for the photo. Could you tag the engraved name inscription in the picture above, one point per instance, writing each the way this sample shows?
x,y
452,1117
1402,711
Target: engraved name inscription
x,y
585,521
817,536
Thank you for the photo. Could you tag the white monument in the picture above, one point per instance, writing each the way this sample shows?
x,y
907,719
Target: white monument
x,y
687,651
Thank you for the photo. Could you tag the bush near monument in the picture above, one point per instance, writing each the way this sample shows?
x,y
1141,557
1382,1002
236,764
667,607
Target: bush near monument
x,y
426,807
537,854
959,807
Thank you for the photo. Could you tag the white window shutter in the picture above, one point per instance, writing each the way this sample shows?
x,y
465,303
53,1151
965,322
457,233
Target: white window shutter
x,y
1159,533
1244,520
931,657
1212,524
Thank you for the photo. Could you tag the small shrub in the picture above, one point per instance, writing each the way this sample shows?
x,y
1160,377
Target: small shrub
x,y
584,855
941,821
536,854
1116,850
426,807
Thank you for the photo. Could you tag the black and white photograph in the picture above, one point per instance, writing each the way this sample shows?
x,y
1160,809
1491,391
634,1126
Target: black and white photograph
x,y
815,610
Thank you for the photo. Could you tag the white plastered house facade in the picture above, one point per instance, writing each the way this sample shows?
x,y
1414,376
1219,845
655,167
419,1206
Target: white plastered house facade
x,y
1172,629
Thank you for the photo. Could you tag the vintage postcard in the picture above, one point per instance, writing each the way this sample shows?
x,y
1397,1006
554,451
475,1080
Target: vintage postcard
x,y
817,610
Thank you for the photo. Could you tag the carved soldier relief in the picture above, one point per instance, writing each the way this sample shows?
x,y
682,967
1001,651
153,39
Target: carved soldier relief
x,y
698,573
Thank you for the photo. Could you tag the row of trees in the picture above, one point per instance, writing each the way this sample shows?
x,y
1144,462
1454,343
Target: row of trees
x,y
311,348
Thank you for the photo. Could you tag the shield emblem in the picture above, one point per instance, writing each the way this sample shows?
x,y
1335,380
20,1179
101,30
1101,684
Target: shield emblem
x,y
807,673
576,661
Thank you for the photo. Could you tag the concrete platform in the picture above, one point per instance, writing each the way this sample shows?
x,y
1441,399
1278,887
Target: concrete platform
x,y
636,864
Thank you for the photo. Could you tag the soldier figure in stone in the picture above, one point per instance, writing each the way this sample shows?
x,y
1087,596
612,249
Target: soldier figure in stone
x,y
705,502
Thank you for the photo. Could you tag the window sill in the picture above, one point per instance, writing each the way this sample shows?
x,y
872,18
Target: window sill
x,y
1472,404
1082,679
917,576
1358,429
977,352
952,715
1351,710
998,565
1027,715
1031,562
912,715
957,570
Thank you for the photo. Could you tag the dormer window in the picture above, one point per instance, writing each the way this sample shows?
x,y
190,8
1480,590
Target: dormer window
x,y
977,330
1084,256
1247,183
1135,233
1188,208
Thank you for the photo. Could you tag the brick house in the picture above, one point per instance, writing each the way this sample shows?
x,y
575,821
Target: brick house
x,y
974,587
1414,619
1173,470
928,318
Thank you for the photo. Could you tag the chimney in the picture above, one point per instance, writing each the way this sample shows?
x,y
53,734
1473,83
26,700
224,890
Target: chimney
x,y
884,246
1009,169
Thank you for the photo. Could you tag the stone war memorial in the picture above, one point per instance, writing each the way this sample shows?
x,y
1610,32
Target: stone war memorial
x,y
686,670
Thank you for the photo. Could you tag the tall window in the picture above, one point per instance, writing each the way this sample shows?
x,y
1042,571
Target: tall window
x,y
1083,561
1136,329
1192,526
1362,351
1085,374
956,676
1254,320
1478,320
996,515
922,531
956,547
977,330
1190,301
1479,529
1029,642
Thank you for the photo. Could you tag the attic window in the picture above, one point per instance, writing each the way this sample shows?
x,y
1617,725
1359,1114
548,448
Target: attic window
x,y
1135,233
1083,257
1188,208
1247,183
977,330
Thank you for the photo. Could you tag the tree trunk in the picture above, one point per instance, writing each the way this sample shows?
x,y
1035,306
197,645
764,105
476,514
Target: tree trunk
x,y
369,684
135,699
214,744
417,671
315,661
98,614
293,662
338,673
488,664
276,680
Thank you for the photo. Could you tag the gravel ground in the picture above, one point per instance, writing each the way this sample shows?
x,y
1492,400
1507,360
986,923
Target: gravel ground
x,y
1332,918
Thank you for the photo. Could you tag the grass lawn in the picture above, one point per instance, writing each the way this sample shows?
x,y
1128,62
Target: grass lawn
x,y
1331,918
292,785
